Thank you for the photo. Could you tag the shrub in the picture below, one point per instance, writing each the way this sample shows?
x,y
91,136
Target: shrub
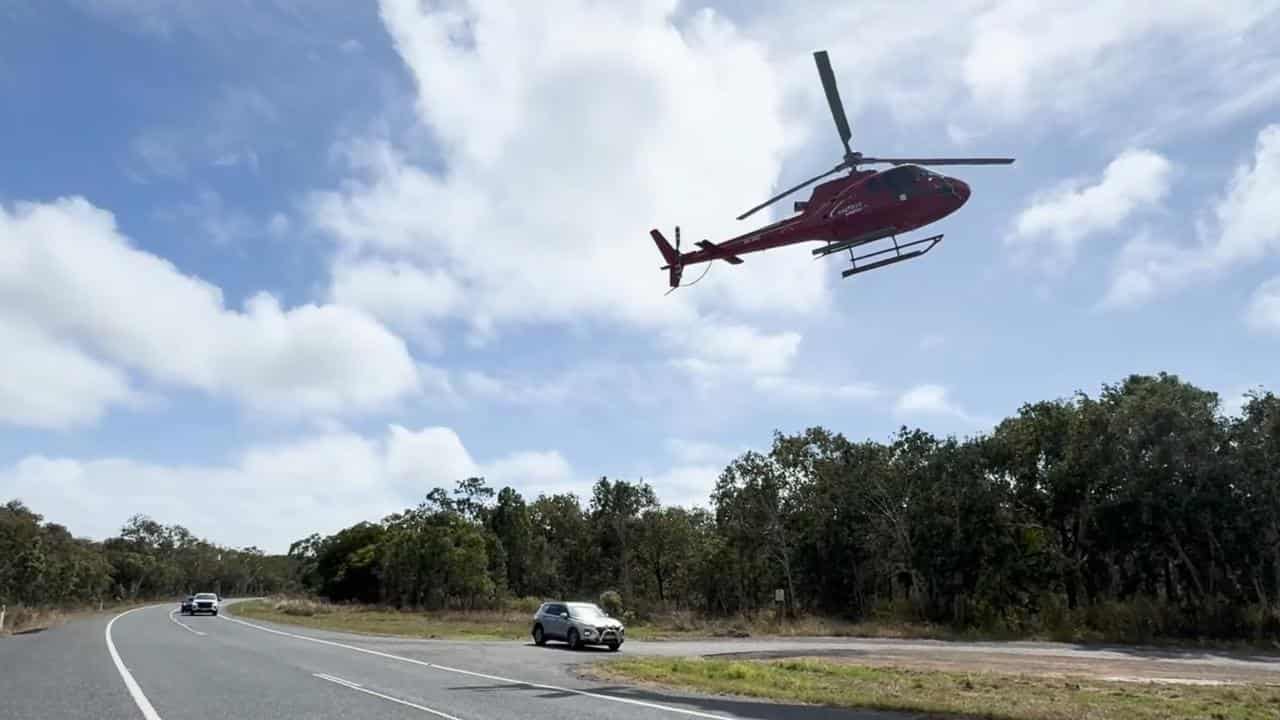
x,y
611,603
528,604
301,608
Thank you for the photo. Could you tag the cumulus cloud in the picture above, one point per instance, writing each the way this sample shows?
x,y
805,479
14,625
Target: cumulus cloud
x,y
101,305
718,348
1264,308
48,384
1059,219
1242,227
793,389
272,495
1056,56
592,128
929,399
1074,66
397,292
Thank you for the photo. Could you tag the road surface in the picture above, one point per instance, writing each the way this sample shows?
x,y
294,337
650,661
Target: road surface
x,y
152,664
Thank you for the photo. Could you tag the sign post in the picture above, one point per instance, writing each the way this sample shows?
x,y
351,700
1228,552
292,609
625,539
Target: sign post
x,y
2,609
779,601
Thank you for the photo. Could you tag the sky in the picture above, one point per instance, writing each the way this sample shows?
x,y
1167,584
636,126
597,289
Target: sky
x,y
273,268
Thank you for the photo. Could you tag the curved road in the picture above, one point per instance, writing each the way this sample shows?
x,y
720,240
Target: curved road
x,y
150,664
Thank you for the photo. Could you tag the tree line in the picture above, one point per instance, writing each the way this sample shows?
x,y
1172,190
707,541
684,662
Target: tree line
x,y
1140,512
1144,511
43,565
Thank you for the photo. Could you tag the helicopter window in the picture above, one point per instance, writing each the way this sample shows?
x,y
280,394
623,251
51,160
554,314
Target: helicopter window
x,y
899,181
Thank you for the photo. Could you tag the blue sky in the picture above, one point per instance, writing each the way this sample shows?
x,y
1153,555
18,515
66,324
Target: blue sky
x,y
277,267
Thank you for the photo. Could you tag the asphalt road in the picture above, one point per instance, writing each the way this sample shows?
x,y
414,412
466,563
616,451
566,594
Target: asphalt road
x,y
206,668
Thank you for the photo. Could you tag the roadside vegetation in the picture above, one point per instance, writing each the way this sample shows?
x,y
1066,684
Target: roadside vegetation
x,y
47,575
1142,514
977,695
513,622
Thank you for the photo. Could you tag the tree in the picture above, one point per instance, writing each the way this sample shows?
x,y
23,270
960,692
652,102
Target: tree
x,y
615,507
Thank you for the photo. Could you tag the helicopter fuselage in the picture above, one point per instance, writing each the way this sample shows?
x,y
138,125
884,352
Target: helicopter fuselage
x,y
863,204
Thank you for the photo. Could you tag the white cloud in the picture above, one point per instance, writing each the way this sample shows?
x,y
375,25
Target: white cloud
x,y
1071,67
935,400
717,348
690,452
686,485
48,384
1264,308
398,293
274,494
1243,227
1059,55
593,128
66,269
797,390
1061,218
1232,401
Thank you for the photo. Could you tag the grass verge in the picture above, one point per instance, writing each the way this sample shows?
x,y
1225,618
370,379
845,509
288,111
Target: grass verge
x,y
21,619
981,695
513,624
473,625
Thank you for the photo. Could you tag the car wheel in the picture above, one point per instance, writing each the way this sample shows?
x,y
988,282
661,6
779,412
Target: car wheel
x,y
538,637
613,647
574,641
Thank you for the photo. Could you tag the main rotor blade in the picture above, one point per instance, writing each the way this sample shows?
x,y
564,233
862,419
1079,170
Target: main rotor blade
x,y
833,97
937,161
785,193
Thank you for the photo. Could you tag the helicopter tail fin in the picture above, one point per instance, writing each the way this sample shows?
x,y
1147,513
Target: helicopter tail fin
x,y
671,255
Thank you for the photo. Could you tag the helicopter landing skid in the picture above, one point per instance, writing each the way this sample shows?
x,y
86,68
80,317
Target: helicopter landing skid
x,y
897,257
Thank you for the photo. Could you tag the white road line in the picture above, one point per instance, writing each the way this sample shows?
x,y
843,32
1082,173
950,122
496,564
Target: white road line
x,y
184,625
367,691
139,698
443,668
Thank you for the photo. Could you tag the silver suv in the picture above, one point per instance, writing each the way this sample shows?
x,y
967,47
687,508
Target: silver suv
x,y
577,624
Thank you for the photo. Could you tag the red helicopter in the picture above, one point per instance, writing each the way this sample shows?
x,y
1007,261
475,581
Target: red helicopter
x,y
862,207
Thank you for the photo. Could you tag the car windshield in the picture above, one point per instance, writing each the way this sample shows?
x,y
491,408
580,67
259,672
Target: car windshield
x,y
587,612
206,596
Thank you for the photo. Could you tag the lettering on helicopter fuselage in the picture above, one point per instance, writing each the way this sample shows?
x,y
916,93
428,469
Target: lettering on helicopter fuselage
x,y
851,209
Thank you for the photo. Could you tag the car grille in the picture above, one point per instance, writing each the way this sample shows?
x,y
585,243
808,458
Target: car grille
x,y
205,604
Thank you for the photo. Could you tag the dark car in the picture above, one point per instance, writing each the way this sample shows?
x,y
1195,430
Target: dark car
x,y
188,605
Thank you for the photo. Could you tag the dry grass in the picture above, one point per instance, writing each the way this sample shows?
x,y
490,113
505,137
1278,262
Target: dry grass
x,y
470,625
21,619
514,622
984,695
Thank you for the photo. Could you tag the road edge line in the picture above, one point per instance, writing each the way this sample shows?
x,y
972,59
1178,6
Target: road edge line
x,y
445,668
135,690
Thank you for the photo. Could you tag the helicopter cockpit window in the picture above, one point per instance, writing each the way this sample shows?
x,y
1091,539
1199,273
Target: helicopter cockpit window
x,y
899,180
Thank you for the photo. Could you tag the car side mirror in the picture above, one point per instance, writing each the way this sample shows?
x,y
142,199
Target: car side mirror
x,y
564,615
